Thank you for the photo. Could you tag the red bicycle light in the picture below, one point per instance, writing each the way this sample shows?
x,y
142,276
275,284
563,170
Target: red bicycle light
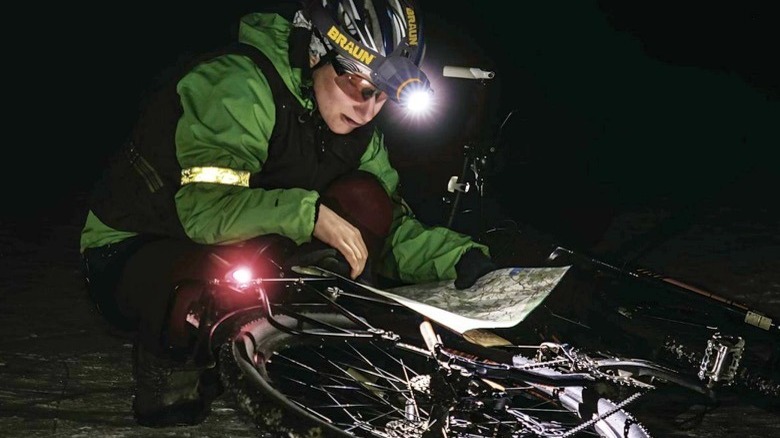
x,y
241,275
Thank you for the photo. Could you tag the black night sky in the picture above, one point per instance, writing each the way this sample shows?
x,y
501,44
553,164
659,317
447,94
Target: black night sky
x,y
612,104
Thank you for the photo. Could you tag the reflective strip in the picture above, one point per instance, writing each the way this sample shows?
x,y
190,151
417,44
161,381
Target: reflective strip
x,y
219,175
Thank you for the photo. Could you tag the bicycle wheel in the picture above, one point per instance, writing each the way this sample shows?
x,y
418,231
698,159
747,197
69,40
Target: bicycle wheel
x,y
295,385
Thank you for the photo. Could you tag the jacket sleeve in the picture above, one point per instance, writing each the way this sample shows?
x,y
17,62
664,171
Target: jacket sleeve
x,y
414,252
228,116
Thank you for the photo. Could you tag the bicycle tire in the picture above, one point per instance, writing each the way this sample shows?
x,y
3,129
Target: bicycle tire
x,y
269,389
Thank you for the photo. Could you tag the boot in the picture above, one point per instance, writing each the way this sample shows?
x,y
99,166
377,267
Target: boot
x,y
169,392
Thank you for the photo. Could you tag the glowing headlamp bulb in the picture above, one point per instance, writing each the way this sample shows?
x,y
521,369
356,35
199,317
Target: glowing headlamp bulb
x,y
418,101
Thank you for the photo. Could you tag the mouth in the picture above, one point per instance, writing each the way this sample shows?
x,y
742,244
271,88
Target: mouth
x,y
351,122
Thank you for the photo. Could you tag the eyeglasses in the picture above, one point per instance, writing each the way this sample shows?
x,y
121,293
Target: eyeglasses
x,y
359,88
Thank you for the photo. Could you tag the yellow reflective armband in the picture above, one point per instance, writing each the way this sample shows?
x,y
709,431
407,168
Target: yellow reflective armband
x,y
219,175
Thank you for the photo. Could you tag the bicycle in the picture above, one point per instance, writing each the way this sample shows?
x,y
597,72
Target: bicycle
x,y
629,301
312,353
308,352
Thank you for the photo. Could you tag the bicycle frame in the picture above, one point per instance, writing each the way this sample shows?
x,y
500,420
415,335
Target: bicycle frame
x,y
214,327
741,311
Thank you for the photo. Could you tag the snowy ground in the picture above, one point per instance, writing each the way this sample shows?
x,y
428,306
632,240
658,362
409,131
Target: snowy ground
x,y
63,374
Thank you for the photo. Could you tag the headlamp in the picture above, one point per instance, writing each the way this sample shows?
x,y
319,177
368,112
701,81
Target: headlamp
x,y
396,75
402,80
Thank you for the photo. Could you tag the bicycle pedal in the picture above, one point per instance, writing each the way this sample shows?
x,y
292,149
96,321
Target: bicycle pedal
x,y
721,359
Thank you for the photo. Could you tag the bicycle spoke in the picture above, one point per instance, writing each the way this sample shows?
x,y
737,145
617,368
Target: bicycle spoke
x,y
390,377
369,421
320,374
376,390
371,389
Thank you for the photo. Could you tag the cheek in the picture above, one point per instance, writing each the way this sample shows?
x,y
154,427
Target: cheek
x,y
331,101
329,105
378,106
327,96
326,105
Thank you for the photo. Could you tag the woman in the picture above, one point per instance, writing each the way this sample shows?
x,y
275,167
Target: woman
x,y
243,144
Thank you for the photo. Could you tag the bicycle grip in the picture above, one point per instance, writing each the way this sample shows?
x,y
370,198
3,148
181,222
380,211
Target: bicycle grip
x,y
430,337
450,71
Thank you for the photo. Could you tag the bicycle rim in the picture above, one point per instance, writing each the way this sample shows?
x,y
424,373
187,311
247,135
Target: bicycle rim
x,y
372,389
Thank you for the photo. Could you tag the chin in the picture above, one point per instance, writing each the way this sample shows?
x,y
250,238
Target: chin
x,y
342,131
339,127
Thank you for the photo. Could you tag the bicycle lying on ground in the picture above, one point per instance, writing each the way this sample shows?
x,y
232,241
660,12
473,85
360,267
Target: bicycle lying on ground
x,y
307,352
310,353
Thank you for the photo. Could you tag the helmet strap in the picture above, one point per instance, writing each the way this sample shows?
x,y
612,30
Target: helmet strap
x,y
324,60
298,42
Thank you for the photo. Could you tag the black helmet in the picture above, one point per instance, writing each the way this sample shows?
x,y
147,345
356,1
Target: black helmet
x,y
382,39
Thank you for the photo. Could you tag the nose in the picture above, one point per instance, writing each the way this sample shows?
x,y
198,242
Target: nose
x,y
365,111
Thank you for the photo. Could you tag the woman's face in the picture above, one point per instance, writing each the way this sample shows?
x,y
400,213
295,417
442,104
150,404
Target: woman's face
x,y
345,102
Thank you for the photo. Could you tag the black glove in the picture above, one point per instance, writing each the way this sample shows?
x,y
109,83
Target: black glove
x,y
472,265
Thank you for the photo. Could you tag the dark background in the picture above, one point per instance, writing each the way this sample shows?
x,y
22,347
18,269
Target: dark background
x,y
613,105
624,114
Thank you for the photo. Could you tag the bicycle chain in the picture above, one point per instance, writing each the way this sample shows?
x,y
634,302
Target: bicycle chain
x,y
534,365
585,363
577,362
620,380
617,408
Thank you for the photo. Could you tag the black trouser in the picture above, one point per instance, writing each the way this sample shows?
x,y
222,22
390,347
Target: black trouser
x,y
133,282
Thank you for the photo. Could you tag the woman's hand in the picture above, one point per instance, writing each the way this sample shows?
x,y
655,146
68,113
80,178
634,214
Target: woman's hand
x,y
335,231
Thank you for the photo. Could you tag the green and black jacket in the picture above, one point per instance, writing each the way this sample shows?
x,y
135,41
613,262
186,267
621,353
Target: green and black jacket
x,y
250,158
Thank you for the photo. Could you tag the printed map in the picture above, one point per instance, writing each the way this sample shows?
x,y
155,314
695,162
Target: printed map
x,y
502,298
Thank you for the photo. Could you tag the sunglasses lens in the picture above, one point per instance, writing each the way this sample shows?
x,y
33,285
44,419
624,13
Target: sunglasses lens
x,y
357,88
